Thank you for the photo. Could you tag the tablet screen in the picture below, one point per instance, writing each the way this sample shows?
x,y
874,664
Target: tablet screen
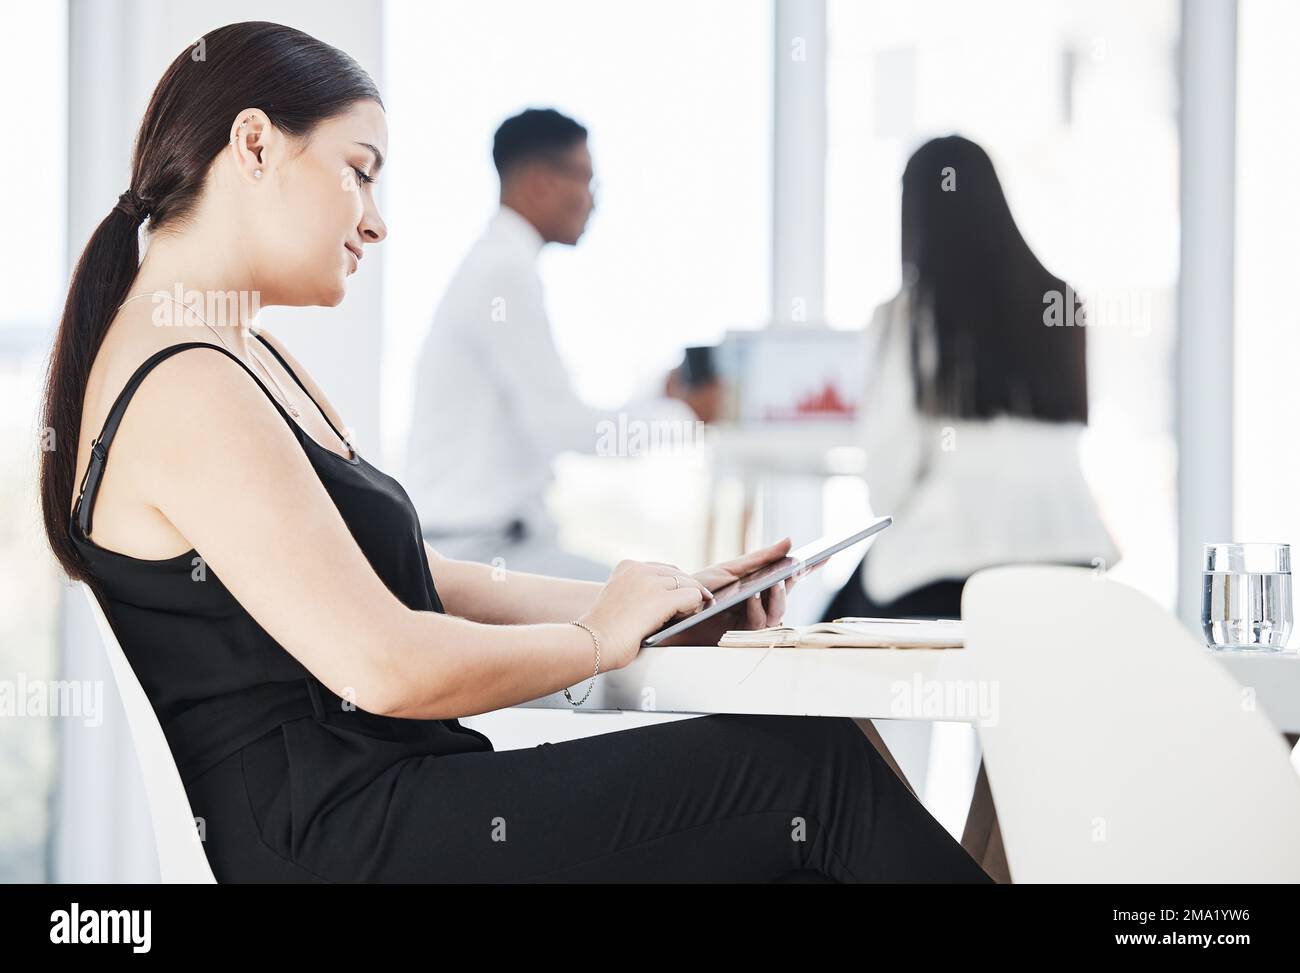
x,y
797,561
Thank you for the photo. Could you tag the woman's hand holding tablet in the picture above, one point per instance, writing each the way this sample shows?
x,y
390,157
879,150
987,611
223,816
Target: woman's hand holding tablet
x,y
640,597
673,607
762,610
744,602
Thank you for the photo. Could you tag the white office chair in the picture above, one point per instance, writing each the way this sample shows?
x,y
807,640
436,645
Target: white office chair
x,y
181,858
1122,751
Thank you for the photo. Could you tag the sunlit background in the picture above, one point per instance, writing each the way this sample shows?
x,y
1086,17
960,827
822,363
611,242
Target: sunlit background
x,y
707,220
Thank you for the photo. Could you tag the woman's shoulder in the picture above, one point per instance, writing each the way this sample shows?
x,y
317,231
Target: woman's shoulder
x,y
890,310
887,330
161,390
887,352
146,416
126,350
311,386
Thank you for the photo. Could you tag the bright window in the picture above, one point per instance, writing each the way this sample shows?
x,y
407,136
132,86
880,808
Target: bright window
x,y
1076,104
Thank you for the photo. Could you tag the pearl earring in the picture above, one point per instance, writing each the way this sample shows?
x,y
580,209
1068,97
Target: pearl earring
x,y
257,173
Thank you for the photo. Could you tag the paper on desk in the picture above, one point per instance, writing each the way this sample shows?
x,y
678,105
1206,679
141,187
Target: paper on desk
x,y
853,633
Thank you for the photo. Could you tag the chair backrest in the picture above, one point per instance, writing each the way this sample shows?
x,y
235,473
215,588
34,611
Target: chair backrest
x,y
181,858
1121,750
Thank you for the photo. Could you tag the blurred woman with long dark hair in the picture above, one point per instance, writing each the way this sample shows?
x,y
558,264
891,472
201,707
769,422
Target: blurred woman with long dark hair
x,y
977,396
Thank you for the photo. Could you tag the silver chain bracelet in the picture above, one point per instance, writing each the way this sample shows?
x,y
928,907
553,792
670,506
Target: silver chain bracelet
x,y
595,673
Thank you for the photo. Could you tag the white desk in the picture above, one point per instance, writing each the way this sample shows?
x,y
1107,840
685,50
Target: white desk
x,y
862,683
1275,677
811,447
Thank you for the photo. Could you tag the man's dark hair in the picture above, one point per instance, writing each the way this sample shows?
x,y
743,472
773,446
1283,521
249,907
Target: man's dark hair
x,y
533,134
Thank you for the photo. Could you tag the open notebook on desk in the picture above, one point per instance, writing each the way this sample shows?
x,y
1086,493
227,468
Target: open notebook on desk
x,y
853,633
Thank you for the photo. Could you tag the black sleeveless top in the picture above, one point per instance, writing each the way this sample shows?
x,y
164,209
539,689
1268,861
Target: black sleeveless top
x,y
215,678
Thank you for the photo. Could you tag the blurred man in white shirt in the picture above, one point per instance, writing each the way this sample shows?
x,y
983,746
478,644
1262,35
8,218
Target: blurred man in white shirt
x,y
493,401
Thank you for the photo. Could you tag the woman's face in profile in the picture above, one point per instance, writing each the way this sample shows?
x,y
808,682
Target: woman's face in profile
x,y
320,215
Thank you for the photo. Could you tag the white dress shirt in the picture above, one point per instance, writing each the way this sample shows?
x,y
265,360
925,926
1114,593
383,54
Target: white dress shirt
x,y
493,401
965,494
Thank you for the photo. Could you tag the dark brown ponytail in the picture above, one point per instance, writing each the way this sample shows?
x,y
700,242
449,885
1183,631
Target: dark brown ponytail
x,y
298,81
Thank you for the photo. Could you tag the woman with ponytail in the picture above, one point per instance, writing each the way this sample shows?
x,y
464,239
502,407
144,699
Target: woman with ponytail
x,y
307,653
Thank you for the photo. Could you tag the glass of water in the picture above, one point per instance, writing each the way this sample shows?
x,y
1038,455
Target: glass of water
x,y
1246,596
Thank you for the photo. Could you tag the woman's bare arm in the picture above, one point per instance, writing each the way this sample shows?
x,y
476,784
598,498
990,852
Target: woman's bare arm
x,y
312,386
216,458
486,593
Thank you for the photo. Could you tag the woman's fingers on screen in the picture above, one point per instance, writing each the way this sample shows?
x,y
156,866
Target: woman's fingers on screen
x,y
679,580
686,601
660,577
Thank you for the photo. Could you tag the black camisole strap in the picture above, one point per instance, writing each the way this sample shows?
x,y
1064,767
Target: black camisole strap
x,y
294,376
100,444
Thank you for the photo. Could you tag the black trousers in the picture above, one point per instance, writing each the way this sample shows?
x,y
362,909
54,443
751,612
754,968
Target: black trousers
x,y
938,599
718,798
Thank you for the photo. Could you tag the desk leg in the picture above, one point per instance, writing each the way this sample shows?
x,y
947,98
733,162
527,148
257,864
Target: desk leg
x,y
869,728
982,838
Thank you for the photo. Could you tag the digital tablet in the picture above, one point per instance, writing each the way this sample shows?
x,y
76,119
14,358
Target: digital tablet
x,y
798,561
